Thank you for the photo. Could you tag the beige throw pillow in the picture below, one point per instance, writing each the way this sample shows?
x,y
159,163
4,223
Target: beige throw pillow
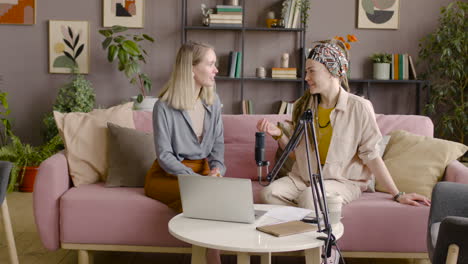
x,y
417,163
85,138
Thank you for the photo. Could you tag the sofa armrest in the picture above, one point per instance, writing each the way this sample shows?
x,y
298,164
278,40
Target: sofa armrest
x,y
456,172
52,181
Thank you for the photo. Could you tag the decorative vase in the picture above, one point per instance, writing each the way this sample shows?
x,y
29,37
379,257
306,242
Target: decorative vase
x,y
29,176
382,71
146,105
206,20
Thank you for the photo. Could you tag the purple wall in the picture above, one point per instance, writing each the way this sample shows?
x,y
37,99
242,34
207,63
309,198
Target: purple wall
x,y
32,90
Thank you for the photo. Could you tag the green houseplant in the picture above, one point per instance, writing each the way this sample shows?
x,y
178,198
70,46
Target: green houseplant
x,y
127,50
75,96
381,65
4,121
443,54
24,155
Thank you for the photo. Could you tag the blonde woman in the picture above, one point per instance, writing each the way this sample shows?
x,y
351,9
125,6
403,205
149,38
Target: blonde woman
x,y
188,129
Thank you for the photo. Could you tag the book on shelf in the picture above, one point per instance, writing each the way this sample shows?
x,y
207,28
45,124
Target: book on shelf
x,y
238,64
229,13
284,70
232,64
247,107
225,21
224,16
283,76
227,10
229,6
286,107
413,69
229,25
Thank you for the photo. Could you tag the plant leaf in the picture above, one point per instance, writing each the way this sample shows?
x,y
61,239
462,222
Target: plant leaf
x,y
112,53
80,49
123,56
69,56
106,43
105,32
148,38
76,41
70,32
117,29
131,47
68,44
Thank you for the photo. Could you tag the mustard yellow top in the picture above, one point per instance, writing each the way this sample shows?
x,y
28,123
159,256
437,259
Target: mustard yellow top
x,y
325,132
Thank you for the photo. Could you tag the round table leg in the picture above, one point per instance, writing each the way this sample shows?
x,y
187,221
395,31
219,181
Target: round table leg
x,y
243,258
312,256
198,255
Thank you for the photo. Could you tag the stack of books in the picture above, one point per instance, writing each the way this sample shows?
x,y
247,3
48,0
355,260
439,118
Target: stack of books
x,y
402,67
284,73
235,64
226,15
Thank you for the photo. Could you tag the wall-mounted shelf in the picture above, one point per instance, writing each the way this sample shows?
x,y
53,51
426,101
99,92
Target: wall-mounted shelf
x,y
243,29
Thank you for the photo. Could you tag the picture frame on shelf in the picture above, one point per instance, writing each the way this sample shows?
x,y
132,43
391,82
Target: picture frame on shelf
x,y
16,12
127,13
68,46
378,14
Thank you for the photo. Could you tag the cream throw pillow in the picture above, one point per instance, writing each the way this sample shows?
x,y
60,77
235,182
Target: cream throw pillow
x,y
417,163
85,137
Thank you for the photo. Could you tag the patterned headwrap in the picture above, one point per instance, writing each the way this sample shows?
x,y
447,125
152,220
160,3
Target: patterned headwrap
x,y
332,57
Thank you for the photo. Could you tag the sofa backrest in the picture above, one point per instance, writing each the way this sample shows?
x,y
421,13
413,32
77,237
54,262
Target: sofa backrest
x,y
239,137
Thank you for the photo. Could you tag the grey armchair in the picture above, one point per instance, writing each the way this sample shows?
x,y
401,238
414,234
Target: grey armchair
x,y
5,168
447,234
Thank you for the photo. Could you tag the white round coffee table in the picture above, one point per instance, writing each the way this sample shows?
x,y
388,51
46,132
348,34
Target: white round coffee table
x,y
244,239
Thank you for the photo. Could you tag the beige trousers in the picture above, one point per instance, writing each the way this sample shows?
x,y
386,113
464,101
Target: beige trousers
x,y
285,192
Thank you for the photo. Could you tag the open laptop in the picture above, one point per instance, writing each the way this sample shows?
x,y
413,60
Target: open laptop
x,y
217,198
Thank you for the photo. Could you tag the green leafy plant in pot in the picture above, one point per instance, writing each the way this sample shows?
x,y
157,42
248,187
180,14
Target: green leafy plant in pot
x,y
4,121
127,50
381,65
75,96
444,56
26,157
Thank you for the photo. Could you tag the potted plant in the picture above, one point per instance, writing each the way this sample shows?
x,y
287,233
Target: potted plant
x,y
127,50
26,159
443,54
382,63
76,96
4,121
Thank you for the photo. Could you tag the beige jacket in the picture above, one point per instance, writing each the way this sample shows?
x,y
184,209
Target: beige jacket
x,y
354,143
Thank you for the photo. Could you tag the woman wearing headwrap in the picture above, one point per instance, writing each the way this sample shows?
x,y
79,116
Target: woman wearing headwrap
x,y
347,135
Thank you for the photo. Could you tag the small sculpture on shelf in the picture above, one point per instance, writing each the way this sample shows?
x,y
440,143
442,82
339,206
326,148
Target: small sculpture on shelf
x,y
206,14
284,60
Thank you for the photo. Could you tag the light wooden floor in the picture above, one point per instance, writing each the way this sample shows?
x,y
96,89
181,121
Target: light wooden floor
x,y
31,251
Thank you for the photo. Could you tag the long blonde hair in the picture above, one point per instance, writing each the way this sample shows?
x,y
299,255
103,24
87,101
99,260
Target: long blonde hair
x,y
179,91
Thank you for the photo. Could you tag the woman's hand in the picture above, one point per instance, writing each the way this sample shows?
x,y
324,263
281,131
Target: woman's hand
x,y
263,125
215,172
414,199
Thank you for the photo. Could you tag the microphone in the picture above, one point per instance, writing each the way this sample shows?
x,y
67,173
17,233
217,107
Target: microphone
x,y
259,148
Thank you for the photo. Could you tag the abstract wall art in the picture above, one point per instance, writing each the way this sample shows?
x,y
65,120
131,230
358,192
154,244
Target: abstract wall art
x,y
68,46
127,13
378,14
20,12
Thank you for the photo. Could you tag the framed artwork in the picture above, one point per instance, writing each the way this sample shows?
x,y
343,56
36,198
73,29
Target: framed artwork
x,y
378,14
127,13
19,12
68,46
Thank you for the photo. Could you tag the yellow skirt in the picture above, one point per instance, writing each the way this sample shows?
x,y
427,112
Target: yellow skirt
x,y
164,187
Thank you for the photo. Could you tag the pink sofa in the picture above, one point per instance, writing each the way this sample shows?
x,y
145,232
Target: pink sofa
x,y
93,217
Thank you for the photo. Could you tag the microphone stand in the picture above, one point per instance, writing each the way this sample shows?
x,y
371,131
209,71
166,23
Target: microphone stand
x,y
306,123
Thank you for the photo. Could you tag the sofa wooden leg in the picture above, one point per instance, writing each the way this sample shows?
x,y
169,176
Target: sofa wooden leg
x,y
9,233
422,261
85,257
